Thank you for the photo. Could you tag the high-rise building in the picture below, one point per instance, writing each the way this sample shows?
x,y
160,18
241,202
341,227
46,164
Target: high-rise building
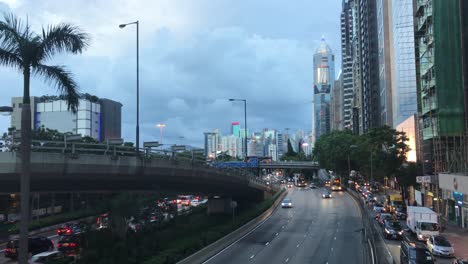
x,y
324,75
385,42
280,147
337,105
232,145
441,39
369,64
96,118
212,144
347,34
235,129
404,96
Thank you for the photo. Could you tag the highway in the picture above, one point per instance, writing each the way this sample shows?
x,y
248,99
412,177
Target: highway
x,y
315,230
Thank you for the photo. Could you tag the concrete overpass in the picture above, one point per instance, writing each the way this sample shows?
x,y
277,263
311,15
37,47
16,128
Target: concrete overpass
x,y
78,172
290,165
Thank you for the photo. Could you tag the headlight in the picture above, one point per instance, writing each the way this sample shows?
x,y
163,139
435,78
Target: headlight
x,y
386,231
420,236
400,233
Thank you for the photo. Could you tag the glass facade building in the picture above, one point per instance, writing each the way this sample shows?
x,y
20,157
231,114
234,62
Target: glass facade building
x,y
405,98
324,74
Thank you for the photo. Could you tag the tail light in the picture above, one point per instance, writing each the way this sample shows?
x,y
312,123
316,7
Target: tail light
x,y
72,244
7,249
68,231
59,245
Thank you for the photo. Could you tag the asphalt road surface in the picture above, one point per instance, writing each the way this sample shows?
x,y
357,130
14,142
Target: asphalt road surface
x,y
315,230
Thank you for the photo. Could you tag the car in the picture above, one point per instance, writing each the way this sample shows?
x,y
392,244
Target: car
x,y
400,212
36,245
290,185
286,203
313,186
69,245
326,195
414,252
283,181
47,257
378,208
392,229
72,229
384,217
440,246
460,261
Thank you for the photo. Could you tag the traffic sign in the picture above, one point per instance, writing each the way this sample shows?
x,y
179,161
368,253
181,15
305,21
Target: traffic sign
x,y
151,144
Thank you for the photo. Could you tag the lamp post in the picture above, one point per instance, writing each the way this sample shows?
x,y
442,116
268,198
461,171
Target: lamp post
x,y
161,127
245,123
137,143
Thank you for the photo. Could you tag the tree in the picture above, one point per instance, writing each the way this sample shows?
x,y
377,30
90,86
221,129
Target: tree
x,y
27,51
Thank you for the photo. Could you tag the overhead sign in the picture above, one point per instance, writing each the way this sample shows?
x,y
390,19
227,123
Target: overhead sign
x,y
115,141
177,148
423,179
151,144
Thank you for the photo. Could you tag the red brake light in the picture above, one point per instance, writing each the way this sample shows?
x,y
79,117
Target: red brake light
x,y
59,245
68,231
7,249
72,245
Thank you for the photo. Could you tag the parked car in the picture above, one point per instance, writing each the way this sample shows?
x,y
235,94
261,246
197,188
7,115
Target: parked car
x,y
392,229
414,252
440,246
36,245
287,203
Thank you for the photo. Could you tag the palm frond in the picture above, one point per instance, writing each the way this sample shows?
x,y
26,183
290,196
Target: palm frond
x,y
12,33
62,38
63,80
8,58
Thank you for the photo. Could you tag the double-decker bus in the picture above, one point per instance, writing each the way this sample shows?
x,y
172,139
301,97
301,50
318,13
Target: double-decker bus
x,y
301,182
336,185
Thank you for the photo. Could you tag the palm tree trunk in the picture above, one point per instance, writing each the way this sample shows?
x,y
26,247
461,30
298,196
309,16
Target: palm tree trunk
x,y
25,169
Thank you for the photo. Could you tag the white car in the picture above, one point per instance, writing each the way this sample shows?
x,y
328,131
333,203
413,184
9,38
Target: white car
x,y
439,245
287,203
326,195
45,257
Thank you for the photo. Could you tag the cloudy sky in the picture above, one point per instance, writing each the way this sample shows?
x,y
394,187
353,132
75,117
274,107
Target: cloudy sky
x,y
194,55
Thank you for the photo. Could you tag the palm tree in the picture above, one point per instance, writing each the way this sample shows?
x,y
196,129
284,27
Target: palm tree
x,y
27,52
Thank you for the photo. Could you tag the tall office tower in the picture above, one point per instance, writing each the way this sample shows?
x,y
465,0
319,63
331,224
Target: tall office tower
x,y
404,84
385,43
232,145
212,144
337,122
324,75
347,33
369,64
280,145
235,129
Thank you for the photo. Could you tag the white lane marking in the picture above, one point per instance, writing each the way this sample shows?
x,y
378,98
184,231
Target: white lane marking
x,y
287,260
332,249
253,256
334,238
298,245
250,232
282,227
276,234
305,235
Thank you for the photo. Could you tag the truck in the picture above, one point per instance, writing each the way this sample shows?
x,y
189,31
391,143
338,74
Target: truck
x,y
422,221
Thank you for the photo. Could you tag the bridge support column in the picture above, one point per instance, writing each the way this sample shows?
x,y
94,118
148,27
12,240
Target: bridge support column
x,y
220,205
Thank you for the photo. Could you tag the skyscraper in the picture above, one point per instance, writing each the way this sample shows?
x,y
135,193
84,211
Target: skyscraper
x,y
347,33
337,105
212,144
324,75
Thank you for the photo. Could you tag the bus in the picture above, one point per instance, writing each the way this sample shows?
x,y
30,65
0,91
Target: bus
x,y
336,185
301,182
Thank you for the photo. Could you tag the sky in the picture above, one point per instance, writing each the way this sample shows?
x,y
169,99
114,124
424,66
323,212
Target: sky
x,y
194,56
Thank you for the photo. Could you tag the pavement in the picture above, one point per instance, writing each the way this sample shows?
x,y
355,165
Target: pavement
x,y
458,237
315,230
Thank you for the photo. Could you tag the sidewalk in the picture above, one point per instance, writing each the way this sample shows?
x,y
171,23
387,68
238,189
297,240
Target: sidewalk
x,y
458,237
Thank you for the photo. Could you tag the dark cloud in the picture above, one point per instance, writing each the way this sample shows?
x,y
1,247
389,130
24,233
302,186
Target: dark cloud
x,y
258,50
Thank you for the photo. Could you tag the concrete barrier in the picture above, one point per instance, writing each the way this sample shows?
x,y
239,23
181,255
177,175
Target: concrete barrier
x,y
214,248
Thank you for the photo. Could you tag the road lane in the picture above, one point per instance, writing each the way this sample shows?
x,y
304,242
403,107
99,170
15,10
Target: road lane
x,y
316,230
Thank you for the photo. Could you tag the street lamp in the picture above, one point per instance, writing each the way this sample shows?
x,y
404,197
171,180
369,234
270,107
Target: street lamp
x,y
161,127
137,83
245,123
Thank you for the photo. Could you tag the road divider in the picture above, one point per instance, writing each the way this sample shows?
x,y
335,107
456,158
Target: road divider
x,y
207,253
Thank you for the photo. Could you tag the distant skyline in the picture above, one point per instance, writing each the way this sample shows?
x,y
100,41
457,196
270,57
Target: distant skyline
x,y
194,55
